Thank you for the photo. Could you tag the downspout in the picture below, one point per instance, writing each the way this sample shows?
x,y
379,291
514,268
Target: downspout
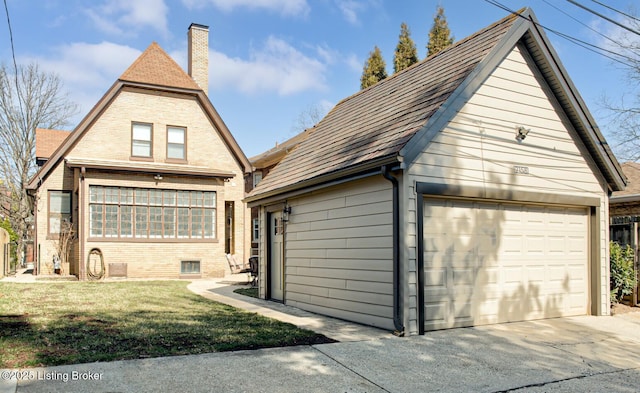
x,y
396,250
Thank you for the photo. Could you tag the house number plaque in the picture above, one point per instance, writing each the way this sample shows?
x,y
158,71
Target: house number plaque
x,y
521,170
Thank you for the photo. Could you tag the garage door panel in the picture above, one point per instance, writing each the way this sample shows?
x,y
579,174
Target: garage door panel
x,y
497,262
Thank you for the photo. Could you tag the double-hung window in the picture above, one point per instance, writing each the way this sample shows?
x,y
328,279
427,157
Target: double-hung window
x,y
59,210
176,143
141,140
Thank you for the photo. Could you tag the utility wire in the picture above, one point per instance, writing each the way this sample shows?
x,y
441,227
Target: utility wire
x,y
604,17
569,38
582,23
13,54
615,10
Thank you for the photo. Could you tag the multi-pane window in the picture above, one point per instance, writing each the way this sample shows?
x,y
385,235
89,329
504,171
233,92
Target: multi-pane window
x,y
151,213
176,138
141,140
59,210
255,234
257,178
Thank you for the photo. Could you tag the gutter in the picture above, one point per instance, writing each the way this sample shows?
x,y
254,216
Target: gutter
x,y
396,250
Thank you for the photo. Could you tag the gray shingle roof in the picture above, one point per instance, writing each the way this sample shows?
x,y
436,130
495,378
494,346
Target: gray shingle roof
x,y
377,122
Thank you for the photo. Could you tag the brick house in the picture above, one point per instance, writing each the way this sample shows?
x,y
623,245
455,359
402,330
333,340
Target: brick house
x,y
151,179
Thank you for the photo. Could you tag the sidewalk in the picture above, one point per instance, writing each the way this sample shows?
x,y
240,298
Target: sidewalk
x,y
578,354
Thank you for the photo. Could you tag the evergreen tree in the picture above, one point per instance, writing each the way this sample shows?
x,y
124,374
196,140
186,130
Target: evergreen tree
x,y
374,69
439,35
406,52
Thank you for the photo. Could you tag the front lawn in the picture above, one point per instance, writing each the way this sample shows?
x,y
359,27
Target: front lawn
x,y
45,324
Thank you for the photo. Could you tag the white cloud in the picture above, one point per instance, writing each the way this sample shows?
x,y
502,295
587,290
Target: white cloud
x,y
277,67
284,7
87,70
351,9
121,17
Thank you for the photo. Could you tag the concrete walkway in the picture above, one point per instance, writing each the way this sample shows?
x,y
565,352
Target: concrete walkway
x,y
578,354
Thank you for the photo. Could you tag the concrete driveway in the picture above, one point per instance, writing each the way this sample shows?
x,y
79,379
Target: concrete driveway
x,y
579,354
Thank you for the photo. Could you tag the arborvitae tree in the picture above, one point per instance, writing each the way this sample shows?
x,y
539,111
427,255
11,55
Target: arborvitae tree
x,y
406,52
439,36
374,69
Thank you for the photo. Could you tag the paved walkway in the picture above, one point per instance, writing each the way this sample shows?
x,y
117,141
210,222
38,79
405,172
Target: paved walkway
x,y
578,354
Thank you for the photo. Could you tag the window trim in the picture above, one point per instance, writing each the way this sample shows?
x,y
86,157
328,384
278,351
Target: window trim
x,y
56,235
184,145
205,202
139,157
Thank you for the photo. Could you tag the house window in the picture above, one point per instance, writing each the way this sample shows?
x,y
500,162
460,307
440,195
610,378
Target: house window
x,y
176,142
189,267
141,140
141,213
255,237
59,210
257,177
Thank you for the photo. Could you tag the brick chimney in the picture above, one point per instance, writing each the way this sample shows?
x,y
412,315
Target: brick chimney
x,y
198,42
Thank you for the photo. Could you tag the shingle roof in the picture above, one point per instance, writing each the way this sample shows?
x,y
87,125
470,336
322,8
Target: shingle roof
x,y
632,172
47,141
377,122
156,67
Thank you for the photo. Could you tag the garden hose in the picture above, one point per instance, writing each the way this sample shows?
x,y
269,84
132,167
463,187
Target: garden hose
x,y
92,272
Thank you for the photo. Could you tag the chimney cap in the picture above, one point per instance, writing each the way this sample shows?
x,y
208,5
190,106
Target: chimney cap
x,y
197,25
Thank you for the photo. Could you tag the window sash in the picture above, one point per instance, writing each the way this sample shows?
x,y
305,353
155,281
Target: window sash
x,y
176,143
151,213
141,140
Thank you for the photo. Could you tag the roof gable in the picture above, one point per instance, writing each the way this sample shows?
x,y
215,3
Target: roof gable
x,y
373,125
393,120
155,67
142,75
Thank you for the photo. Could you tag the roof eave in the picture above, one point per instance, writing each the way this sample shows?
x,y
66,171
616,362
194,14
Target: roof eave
x,y
322,180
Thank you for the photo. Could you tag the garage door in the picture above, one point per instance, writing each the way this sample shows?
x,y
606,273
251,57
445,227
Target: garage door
x,y
492,262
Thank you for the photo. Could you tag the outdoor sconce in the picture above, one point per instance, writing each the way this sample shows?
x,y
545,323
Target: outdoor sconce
x,y
157,177
286,211
521,133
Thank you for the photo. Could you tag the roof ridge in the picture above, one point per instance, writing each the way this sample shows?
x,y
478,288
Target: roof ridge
x,y
154,66
506,19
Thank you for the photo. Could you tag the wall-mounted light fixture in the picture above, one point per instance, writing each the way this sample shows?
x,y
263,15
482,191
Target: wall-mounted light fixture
x,y
521,133
285,213
157,177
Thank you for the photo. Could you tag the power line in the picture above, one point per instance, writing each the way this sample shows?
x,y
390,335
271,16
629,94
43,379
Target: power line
x,y
588,46
13,55
604,17
615,10
582,23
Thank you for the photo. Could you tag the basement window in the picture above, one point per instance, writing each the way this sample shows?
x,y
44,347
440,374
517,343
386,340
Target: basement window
x,y
189,267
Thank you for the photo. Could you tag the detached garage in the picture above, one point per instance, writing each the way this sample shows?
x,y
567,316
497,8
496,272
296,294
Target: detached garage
x,y
471,188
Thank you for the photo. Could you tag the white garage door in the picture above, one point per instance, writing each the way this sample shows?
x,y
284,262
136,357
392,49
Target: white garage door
x,y
488,262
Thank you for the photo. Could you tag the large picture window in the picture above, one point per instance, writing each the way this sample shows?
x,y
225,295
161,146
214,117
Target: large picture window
x,y
59,210
142,213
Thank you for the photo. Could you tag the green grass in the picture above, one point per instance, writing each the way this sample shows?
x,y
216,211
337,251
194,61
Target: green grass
x,y
251,292
79,322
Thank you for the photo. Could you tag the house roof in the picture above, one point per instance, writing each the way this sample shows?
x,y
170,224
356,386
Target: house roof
x,y
153,70
275,154
632,192
47,141
155,67
374,126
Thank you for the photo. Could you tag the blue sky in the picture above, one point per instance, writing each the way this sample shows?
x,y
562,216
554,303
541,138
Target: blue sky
x,y
273,60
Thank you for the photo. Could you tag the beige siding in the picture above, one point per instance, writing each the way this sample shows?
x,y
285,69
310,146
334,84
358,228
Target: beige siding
x,y
339,252
478,149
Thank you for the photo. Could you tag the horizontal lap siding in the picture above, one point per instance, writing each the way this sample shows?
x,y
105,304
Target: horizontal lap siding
x,y
477,148
339,253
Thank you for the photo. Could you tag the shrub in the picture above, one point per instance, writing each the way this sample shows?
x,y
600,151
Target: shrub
x,y
623,277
